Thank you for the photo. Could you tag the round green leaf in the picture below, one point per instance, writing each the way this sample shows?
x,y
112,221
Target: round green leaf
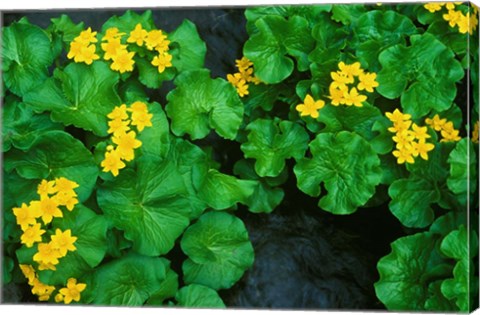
x,y
191,52
463,171
21,126
199,296
56,154
199,103
412,199
423,74
271,142
91,245
347,166
219,251
81,95
266,50
221,191
128,281
407,271
26,56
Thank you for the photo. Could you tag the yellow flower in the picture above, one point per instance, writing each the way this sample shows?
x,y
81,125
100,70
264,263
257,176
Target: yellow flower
x,y
140,116
112,48
67,199
162,61
243,64
58,298
112,34
26,215
475,133
119,112
367,82
112,162
123,61
450,135
353,70
235,79
49,209
138,35
397,116
75,51
87,54
46,187
353,98
436,123
86,37
452,17
403,156
63,241
434,6
47,254
403,139
242,88
44,266
32,234
29,273
42,290
162,47
337,95
310,107
420,133
247,74
340,79
72,291
422,148
118,126
64,185
126,143
154,38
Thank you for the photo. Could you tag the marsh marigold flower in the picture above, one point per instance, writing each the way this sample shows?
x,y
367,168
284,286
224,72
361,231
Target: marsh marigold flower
x,y
123,61
137,35
72,291
112,162
63,241
162,61
31,235
47,254
310,107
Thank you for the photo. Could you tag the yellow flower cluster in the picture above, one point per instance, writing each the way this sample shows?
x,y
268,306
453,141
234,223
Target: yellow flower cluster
x,y
410,139
475,134
244,75
115,49
82,48
121,120
67,294
53,195
446,128
456,18
122,59
340,94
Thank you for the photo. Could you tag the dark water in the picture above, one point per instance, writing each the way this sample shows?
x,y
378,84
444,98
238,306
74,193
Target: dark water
x,y
305,258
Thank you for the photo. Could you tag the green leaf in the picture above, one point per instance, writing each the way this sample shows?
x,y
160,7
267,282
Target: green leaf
x,y
219,251
128,281
436,301
199,103
91,245
154,204
377,30
155,139
266,50
347,166
412,199
330,39
271,142
65,26
347,13
149,75
56,154
127,22
456,245
221,191
264,198
81,95
192,49
21,126
26,56
7,268
450,36
355,119
406,272
299,41
167,290
423,74
463,171
198,296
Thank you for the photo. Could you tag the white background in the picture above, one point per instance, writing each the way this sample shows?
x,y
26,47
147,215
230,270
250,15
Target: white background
x,y
86,4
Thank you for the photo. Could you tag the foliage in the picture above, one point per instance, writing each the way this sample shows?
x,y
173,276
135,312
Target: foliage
x,y
354,104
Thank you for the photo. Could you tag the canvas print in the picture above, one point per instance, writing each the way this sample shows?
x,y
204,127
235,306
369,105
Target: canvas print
x,y
298,157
